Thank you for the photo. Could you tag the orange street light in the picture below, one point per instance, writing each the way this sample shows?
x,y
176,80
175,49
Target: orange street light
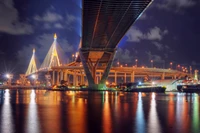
x,y
136,60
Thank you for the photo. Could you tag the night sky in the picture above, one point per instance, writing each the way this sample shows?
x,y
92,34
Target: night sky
x,y
168,31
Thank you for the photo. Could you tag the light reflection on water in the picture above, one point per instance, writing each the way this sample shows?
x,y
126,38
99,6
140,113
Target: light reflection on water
x,y
35,111
6,115
153,121
140,122
32,124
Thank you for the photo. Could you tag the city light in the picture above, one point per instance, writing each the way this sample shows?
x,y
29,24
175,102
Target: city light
x,y
33,76
7,76
151,63
136,60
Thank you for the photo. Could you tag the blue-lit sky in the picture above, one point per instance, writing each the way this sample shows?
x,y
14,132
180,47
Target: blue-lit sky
x,y
167,31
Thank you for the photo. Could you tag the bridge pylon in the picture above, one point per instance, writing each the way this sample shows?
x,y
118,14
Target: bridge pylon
x,y
92,62
52,58
32,68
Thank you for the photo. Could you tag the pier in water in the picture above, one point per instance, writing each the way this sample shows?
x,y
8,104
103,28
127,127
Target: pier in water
x,y
42,111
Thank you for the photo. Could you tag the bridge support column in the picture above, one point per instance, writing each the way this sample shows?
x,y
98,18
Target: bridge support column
x,y
87,70
53,78
90,61
115,77
57,82
163,76
174,77
124,77
107,70
61,75
82,79
74,79
133,76
65,76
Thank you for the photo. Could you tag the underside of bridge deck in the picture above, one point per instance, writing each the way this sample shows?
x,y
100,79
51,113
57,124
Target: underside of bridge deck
x,y
104,23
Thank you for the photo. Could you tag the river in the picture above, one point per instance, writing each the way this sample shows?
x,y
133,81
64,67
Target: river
x,y
42,111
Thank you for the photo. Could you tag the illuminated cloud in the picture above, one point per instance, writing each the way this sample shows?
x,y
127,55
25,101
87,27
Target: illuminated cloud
x,y
58,25
48,17
155,58
135,35
155,34
174,5
123,56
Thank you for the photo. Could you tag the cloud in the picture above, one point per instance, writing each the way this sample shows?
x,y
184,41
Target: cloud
x,y
155,58
135,35
175,4
49,17
9,20
158,45
156,34
123,56
58,25
47,26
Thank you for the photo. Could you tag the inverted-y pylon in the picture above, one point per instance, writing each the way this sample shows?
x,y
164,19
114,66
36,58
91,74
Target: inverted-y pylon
x,y
52,57
32,68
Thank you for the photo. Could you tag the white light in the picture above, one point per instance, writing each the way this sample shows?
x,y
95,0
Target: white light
x,y
140,83
33,76
153,83
7,75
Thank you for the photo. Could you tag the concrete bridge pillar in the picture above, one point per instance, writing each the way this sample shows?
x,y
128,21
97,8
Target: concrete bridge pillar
x,y
100,75
174,77
74,79
133,76
115,77
163,76
53,78
82,79
90,64
65,76
58,79
61,75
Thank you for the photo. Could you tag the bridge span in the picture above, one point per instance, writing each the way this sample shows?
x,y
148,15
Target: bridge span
x,y
79,76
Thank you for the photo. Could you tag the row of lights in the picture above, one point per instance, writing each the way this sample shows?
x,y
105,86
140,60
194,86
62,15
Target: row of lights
x,y
171,64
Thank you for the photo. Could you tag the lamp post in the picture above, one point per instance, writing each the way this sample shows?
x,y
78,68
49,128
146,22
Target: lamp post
x,y
72,57
151,63
9,77
178,67
171,65
190,70
118,63
136,60
34,77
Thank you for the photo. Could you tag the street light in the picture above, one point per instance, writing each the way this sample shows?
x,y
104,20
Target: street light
x,y
118,63
9,77
33,76
72,57
171,64
151,63
178,67
136,60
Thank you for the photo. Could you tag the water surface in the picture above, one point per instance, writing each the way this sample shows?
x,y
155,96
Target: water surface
x,y
41,111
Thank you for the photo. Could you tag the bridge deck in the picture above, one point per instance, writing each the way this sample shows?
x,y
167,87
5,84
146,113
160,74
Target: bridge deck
x,y
105,22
